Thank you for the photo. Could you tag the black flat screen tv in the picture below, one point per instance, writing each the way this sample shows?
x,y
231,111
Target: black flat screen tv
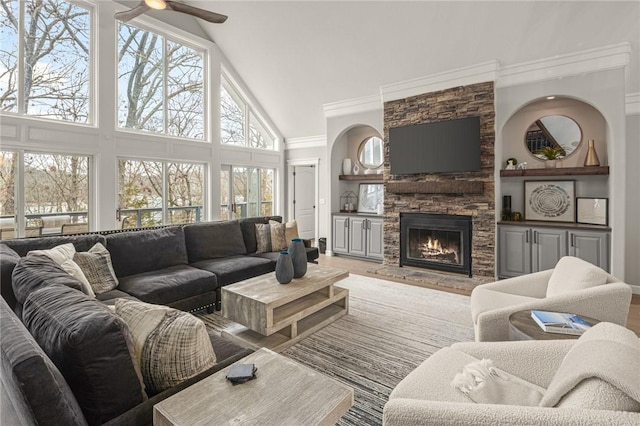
x,y
438,147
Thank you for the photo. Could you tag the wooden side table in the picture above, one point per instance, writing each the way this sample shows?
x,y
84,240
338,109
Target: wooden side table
x,y
523,327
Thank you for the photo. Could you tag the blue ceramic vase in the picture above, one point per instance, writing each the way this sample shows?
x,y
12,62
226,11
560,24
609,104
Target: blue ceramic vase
x,y
284,268
298,253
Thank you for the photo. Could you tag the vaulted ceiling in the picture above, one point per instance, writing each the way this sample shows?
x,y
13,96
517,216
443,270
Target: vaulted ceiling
x,y
296,56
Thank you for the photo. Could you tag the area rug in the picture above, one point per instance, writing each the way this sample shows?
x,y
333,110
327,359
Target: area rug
x,y
390,329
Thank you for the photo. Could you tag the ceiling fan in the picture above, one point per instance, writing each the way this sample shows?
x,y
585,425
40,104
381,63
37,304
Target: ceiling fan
x,y
146,5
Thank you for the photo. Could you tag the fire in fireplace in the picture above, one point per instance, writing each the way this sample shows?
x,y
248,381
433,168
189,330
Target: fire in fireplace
x,y
436,241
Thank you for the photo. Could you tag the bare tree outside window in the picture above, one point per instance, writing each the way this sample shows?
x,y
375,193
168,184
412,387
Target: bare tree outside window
x,y
246,192
151,99
56,58
7,183
186,192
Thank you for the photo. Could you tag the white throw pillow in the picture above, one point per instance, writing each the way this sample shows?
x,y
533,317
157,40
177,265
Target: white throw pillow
x,y
73,269
172,346
291,230
572,274
58,254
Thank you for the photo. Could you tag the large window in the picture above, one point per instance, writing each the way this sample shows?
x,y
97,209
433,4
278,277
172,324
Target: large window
x,y
56,193
154,193
160,84
246,192
45,57
238,124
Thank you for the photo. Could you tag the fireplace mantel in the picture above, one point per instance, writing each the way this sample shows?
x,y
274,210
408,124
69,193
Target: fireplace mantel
x,y
431,187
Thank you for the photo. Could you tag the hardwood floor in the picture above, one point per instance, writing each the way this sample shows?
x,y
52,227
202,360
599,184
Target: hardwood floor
x,y
361,267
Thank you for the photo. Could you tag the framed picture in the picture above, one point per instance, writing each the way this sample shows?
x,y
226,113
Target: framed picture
x,y
594,211
550,200
370,196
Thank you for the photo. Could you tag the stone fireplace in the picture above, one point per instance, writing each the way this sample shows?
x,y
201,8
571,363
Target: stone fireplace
x,y
436,241
468,194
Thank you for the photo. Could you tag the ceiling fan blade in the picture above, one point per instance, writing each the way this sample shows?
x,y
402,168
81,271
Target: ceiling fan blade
x,y
213,17
128,15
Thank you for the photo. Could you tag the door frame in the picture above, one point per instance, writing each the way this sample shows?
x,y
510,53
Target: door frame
x,y
291,164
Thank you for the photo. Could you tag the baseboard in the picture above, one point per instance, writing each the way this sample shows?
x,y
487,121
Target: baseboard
x,y
635,289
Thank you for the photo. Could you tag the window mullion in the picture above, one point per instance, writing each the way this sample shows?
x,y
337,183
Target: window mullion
x,y
21,41
247,125
165,194
19,205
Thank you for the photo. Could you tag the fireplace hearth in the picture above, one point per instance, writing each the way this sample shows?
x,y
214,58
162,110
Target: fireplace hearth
x,y
436,241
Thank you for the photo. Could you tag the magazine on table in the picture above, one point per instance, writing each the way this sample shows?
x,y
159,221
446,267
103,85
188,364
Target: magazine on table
x,y
560,322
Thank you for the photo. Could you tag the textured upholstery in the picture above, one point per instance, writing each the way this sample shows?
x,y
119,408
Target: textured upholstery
x,y
36,384
168,285
493,303
89,344
150,250
248,226
8,261
426,397
232,269
213,240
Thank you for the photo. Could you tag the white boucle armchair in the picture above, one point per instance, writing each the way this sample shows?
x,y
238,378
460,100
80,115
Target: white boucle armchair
x,y
573,286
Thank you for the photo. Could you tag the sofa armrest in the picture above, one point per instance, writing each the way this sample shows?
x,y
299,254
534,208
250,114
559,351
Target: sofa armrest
x,y
142,414
607,302
530,285
402,412
533,361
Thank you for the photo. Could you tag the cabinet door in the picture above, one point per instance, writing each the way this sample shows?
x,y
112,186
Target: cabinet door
x,y
341,234
375,234
357,236
548,246
514,251
592,246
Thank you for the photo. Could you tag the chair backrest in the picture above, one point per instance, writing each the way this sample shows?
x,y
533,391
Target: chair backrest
x,y
74,228
30,231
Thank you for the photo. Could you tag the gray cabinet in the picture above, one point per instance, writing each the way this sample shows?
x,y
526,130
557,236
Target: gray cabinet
x,y
358,236
526,249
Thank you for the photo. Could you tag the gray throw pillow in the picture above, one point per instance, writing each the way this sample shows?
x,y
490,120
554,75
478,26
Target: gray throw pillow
x,y
97,268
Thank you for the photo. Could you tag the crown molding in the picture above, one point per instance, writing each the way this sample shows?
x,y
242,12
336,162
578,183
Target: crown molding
x,y
632,103
352,106
473,74
584,61
306,142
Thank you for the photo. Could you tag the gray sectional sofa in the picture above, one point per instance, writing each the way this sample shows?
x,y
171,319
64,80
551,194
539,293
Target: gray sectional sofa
x,y
64,355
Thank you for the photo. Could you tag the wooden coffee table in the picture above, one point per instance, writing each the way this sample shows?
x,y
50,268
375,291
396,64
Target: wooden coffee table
x,y
284,392
276,316
523,327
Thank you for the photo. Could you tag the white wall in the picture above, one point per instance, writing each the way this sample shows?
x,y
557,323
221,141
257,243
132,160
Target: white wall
x,y
633,199
605,91
105,143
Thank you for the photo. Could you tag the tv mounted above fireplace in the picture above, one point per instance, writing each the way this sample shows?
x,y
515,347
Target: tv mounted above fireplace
x,y
438,147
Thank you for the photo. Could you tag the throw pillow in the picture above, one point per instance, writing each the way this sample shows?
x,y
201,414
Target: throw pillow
x,y
96,266
278,239
572,274
58,254
291,230
172,345
263,237
72,268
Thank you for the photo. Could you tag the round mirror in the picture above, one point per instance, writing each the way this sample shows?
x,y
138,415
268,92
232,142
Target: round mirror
x,y
553,137
370,153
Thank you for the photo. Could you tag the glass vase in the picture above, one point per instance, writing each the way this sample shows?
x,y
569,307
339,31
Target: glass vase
x,y
298,253
284,268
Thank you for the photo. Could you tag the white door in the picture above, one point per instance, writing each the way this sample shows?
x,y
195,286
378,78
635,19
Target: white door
x,y
304,204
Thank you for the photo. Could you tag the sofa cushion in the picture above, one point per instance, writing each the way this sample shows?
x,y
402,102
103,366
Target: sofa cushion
x,y
89,344
81,242
109,297
171,346
8,261
168,285
213,240
236,268
30,377
572,274
35,272
249,230
149,250
97,268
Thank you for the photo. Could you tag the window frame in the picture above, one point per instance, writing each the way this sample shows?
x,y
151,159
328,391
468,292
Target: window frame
x,y
228,168
92,92
142,23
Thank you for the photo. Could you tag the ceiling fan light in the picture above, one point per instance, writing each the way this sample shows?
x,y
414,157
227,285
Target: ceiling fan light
x,y
156,4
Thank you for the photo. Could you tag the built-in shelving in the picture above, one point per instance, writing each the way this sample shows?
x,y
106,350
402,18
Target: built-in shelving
x,y
559,171
360,177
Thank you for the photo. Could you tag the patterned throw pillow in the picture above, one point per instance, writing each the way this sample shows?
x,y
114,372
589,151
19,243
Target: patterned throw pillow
x,y
263,237
63,256
278,239
96,265
171,346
